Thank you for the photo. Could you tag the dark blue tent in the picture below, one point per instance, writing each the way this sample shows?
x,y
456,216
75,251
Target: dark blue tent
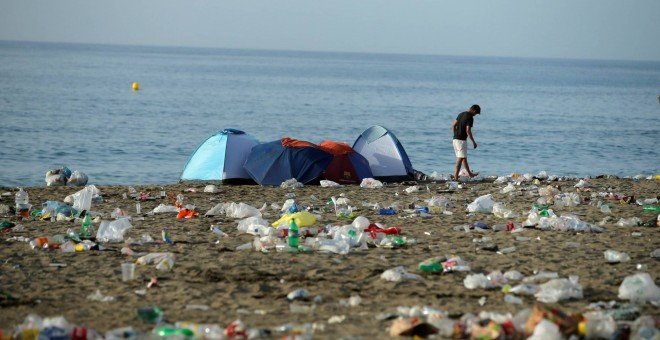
x,y
275,162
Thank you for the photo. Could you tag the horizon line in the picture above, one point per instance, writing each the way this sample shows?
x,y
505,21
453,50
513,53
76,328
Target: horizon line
x,y
327,51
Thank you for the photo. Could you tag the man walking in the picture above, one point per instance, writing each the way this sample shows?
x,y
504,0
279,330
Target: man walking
x,y
462,129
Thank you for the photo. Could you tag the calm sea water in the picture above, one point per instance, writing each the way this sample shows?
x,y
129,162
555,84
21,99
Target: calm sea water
x,y
72,104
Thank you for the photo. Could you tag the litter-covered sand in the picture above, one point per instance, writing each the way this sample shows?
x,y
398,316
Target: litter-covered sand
x,y
207,270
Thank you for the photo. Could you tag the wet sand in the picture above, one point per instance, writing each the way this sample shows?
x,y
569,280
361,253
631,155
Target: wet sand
x,y
252,286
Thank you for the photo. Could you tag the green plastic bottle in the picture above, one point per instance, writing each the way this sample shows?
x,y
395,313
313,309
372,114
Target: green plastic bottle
x,y
652,208
85,226
150,314
294,236
432,265
170,331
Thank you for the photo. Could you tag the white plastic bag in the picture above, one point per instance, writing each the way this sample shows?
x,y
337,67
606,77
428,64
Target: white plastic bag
x,y
163,261
559,289
291,184
211,188
482,204
82,200
77,178
371,183
254,225
164,208
639,288
398,274
329,184
113,231
219,208
500,211
242,210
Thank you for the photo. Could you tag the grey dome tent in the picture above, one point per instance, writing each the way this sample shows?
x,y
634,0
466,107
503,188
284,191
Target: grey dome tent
x,y
387,158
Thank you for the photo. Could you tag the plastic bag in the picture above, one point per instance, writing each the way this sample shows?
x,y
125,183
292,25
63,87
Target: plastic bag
x,y
291,184
82,200
254,225
639,288
211,189
78,179
329,184
371,183
302,218
500,211
57,177
559,289
546,330
241,210
113,231
509,188
218,209
398,274
482,204
164,208
163,261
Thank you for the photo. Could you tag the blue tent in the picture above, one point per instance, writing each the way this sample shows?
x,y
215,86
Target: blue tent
x,y
221,158
388,160
275,162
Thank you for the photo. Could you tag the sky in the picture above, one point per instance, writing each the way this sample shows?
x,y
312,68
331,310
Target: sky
x,y
583,29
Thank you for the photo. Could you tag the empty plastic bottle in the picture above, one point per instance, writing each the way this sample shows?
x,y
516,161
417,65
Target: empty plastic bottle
x,y
294,236
85,226
21,197
613,256
387,211
150,314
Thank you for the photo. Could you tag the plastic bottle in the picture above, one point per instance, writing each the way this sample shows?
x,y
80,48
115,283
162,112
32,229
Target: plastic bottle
x,y
432,265
85,226
647,208
150,314
164,331
387,211
22,203
613,256
21,197
294,237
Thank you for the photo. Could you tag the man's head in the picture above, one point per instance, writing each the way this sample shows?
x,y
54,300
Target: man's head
x,y
475,109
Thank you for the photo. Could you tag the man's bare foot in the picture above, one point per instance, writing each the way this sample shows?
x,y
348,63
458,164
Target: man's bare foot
x,y
474,174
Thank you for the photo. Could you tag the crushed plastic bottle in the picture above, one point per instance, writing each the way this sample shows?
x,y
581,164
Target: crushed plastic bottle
x,y
398,274
613,256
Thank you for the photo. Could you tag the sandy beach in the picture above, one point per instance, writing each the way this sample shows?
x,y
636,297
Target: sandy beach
x,y
252,286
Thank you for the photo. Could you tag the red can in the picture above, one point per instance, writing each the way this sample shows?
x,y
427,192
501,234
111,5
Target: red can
x,y
79,333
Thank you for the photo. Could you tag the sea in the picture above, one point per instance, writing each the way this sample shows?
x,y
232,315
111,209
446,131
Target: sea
x,y
72,105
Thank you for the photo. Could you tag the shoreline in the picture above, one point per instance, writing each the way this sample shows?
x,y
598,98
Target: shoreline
x,y
252,286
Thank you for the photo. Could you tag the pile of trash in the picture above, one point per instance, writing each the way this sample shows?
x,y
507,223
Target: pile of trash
x,y
64,176
34,327
539,322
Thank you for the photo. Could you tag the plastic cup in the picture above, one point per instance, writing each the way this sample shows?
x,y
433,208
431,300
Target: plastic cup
x,y
127,271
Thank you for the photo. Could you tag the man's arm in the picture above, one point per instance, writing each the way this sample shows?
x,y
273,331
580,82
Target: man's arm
x,y
453,126
468,129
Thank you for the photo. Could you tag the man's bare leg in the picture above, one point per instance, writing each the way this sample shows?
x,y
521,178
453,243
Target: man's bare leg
x,y
467,167
457,167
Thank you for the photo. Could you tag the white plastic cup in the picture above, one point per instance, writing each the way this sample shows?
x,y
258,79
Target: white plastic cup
x,y
127,271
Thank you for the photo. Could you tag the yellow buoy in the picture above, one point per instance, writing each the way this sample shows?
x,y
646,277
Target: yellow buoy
x,y
135,86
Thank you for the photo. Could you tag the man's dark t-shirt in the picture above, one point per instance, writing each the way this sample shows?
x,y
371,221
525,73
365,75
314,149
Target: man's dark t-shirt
x,y
464,119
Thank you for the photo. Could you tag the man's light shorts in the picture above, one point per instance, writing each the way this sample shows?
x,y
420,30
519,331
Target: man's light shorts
x,y
460,148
